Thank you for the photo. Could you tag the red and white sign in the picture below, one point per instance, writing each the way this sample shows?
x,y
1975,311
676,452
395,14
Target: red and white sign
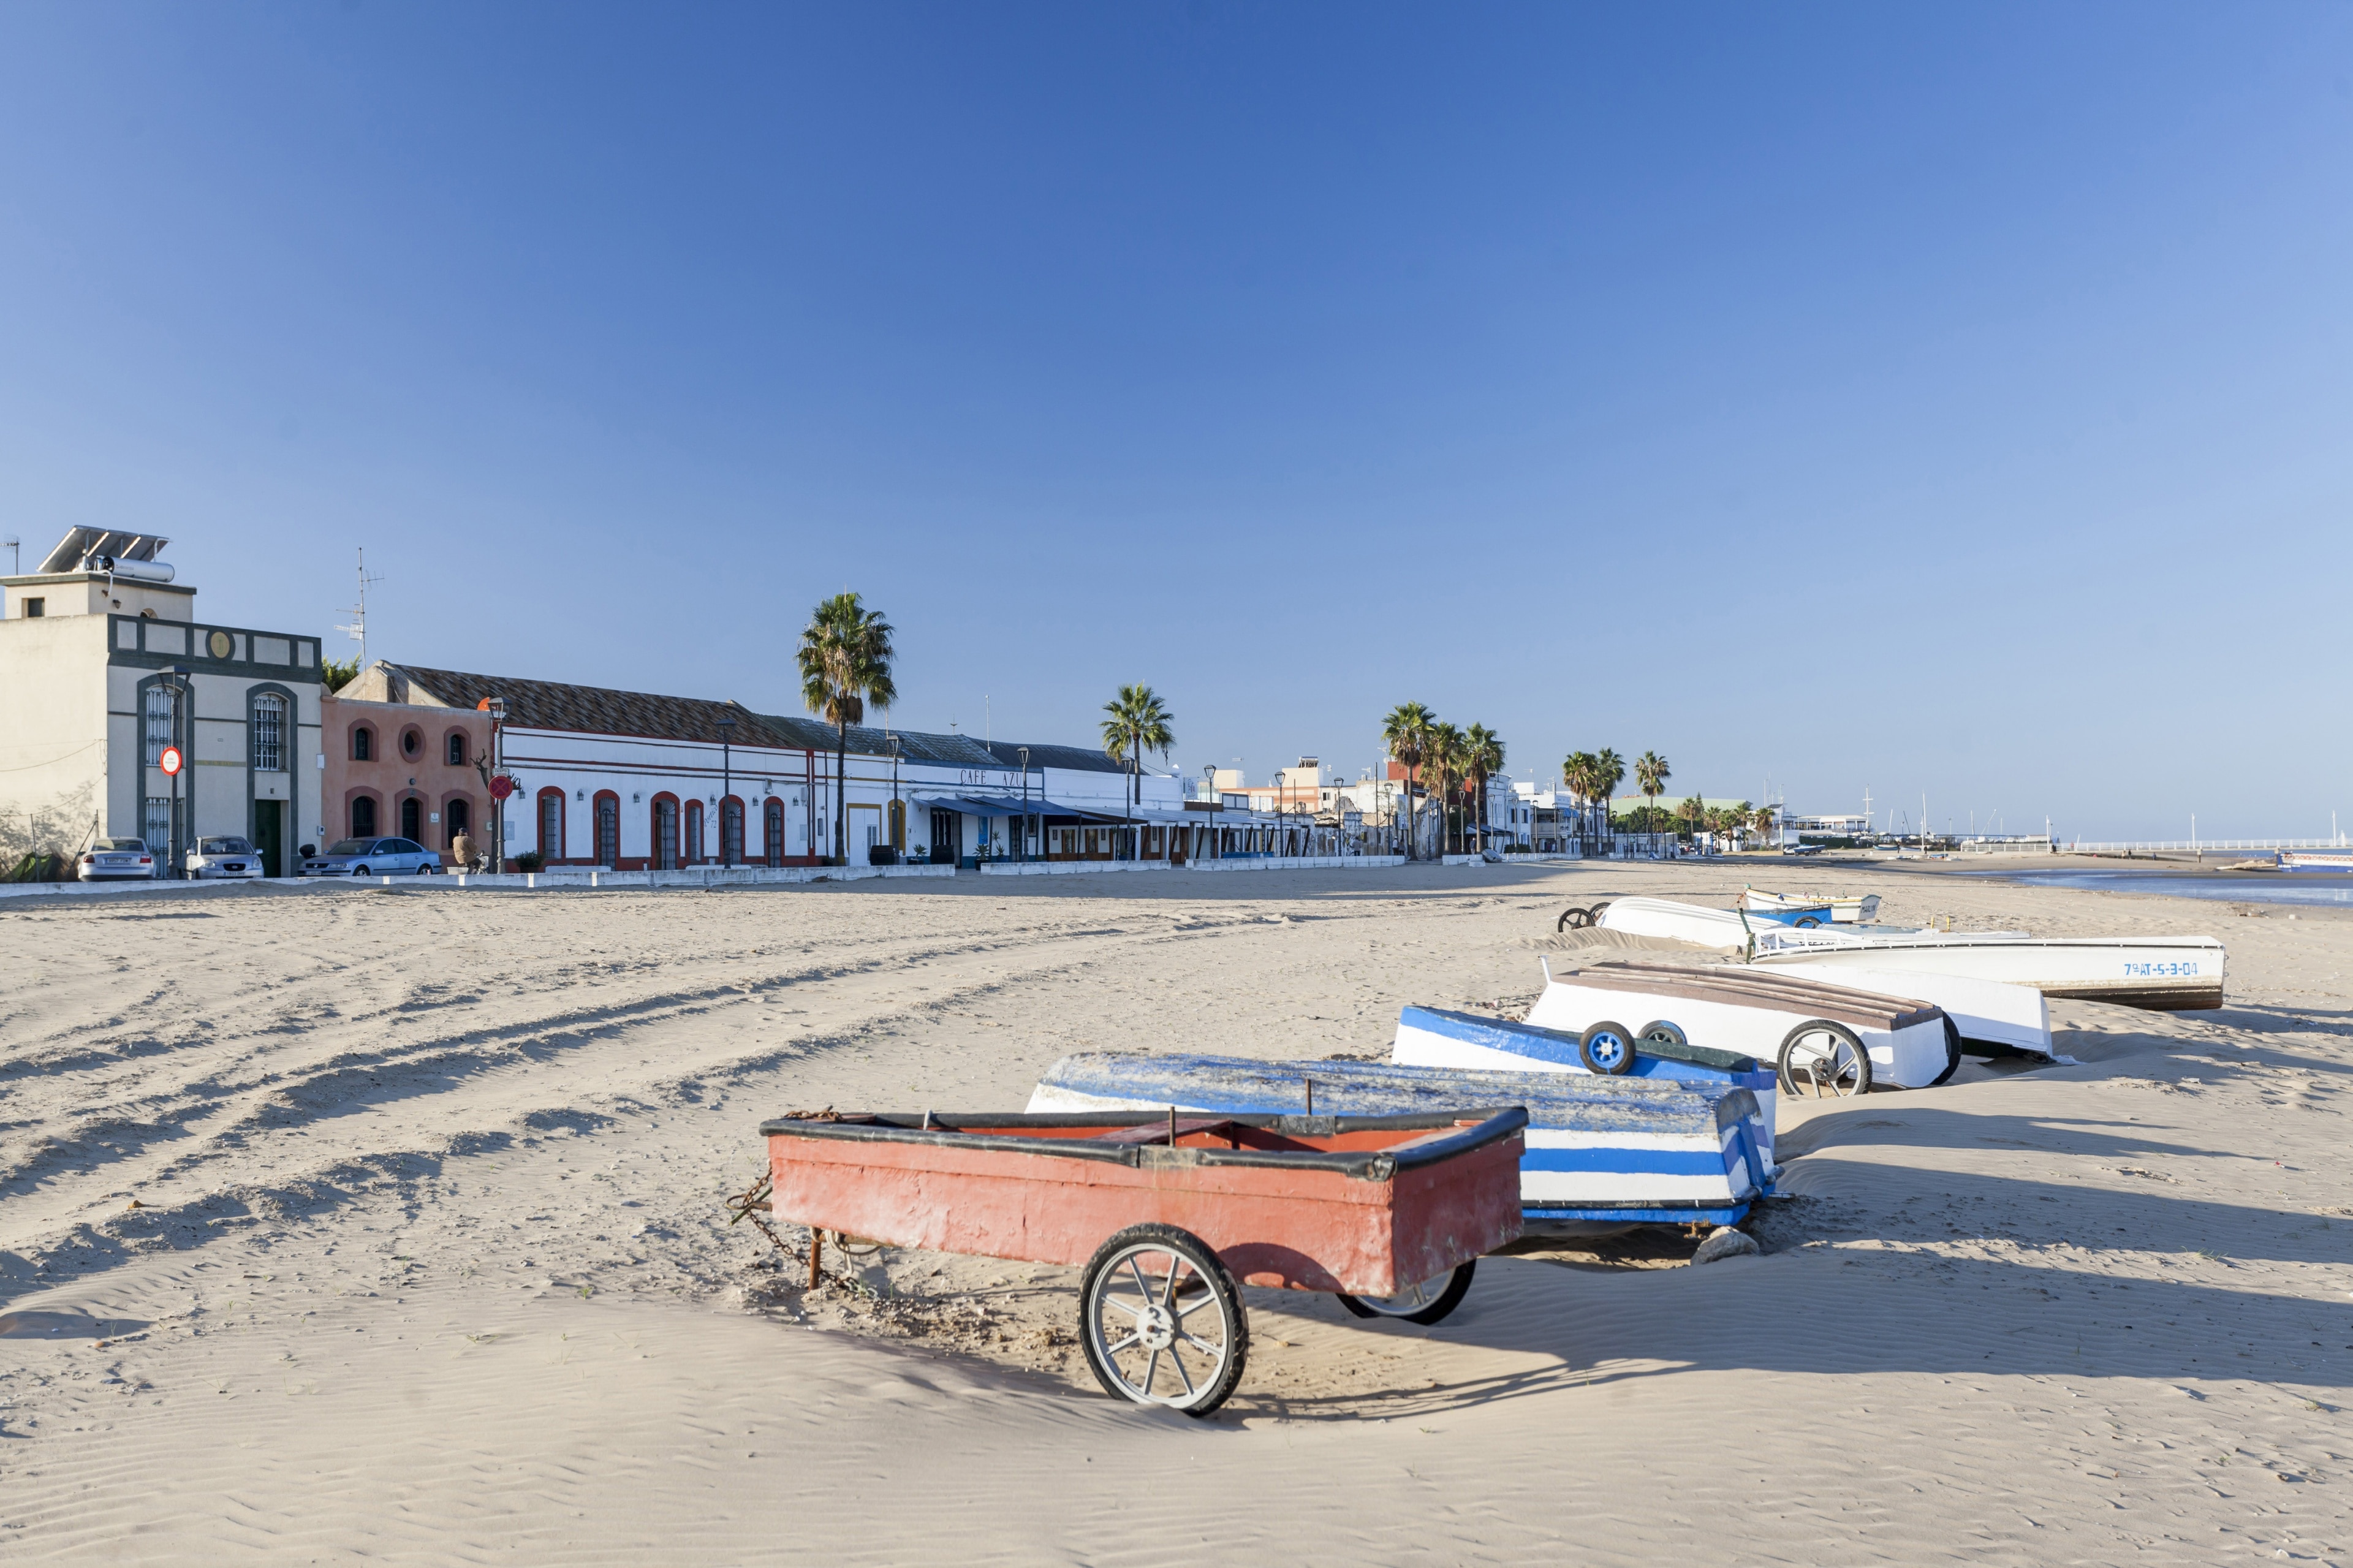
x,y
501,787
170,761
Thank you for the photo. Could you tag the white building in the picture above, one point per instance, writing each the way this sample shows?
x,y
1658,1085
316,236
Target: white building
x,y
631,780
104,667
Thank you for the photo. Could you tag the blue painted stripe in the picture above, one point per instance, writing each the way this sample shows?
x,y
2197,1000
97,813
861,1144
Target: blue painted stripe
x,y
1724,1213
1627,1161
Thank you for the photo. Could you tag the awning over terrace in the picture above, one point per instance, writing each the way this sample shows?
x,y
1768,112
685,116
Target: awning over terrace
x,y
1010,806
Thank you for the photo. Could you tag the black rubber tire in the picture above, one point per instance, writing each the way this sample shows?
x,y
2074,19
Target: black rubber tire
x,y
1861,1057
1213,1273
1437,1311
1606,1061
1573,920
1593,914
1952,1053
361,871
1664,1031
423,870
1806,922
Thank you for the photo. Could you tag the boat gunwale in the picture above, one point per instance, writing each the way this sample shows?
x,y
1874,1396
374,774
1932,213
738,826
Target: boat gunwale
x,y
944,1130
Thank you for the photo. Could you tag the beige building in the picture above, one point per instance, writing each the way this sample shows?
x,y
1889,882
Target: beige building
x,y
103,664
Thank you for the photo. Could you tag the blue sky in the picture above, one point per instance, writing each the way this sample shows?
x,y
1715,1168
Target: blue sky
x,y
1844,397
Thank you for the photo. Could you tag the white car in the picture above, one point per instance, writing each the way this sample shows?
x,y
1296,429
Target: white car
x,y
215,857
110,859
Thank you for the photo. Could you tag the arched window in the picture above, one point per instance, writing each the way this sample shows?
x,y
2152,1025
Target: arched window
x,y
551,826
457,750
412,820
157,730
608,829
694,832
267,731
772,832
364,817
456,817
362,743
665,833
731,831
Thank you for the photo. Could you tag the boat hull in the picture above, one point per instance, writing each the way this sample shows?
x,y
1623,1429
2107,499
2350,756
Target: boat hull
x,y
2339,860
1736,1008
2156,973
1613,1151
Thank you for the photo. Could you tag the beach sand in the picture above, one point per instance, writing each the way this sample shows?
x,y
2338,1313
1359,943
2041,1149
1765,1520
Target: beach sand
x,y
340,1223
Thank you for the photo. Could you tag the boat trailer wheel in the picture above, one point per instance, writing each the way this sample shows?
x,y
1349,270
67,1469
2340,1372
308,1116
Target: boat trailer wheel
x,y
1823,1060
1429,1302
1662,1033
1607,1048
1162,1320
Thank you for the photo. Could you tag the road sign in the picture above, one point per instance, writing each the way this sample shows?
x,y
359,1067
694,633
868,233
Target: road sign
x,y
170,761
501,787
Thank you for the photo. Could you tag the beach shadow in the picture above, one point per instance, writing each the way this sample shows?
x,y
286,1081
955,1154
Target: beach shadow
x,y
65,1326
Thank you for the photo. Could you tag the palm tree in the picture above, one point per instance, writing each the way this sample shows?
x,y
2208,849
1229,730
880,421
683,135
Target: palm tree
x,y
845,663
1407,731
1762,820
1693,812
1651,775
1608,773
1137,723
1442,754
1483,756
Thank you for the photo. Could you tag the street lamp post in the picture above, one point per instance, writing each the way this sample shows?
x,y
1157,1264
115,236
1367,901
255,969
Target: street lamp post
x,y
1021,850
726,786
497,709
898,807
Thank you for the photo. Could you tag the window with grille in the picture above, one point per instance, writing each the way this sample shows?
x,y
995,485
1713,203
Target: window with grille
x,y
730,832
666,835
155,823
157,728
269,733
550,827
456,750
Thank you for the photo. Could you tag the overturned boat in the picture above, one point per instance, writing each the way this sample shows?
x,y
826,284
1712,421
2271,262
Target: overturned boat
x,y
1818,1037
1600,1151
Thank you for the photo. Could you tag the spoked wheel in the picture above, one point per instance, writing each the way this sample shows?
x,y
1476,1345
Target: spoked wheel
x,y
1607,1048
1162,1320
1428,1302
1573,920
1952,1052
1663,1033
1823,1060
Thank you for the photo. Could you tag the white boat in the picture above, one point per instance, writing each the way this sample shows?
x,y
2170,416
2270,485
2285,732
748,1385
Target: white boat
x,y
2316,859
1798,1025
1855,910
1993,1018
2162,974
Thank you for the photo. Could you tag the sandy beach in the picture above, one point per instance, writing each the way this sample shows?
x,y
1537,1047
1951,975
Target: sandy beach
x,y
350,1223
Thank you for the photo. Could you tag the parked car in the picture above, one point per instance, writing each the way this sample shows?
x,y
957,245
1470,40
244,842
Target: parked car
x,y
214,857
112,859
372,858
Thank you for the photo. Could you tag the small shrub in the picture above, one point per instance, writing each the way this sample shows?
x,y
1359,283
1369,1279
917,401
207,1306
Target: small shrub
x,y
530,860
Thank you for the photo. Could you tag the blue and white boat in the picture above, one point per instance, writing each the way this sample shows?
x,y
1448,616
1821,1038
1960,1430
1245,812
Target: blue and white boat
x,y
1600,1151
2315,860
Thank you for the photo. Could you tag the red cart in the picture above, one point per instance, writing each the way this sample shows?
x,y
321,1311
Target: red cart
x,y
1389,1212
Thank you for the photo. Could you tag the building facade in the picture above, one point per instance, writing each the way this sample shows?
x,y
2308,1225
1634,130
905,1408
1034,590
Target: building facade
x,y
417,771
104,667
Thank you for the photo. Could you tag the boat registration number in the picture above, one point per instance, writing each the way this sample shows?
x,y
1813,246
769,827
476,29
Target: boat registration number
x,y
2139,969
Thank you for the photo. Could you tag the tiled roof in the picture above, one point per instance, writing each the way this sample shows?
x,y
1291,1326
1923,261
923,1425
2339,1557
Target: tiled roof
x,y
598,710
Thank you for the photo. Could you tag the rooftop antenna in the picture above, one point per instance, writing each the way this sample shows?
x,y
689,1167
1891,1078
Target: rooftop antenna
x,y
358,627
15,555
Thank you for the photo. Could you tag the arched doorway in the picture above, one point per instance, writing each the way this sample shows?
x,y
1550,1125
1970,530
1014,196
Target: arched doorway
x,y
665,833
412,820
694,832
772,831
730,832
363,818
456,817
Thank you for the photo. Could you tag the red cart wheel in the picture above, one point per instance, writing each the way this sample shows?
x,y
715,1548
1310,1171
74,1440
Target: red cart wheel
x,y
1428,1302
1162,1320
